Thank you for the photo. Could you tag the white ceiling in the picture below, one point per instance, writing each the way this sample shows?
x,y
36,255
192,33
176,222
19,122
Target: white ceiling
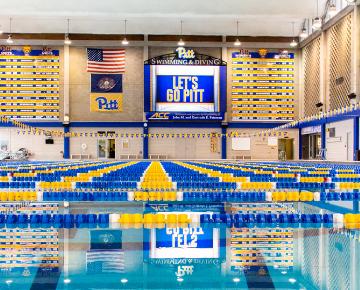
x,y
201,17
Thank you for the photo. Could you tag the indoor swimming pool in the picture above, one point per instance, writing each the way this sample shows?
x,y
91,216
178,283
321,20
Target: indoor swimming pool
x,y
179,225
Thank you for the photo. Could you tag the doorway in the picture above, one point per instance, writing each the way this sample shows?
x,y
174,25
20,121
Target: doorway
x,y
286,149
311,145
106,149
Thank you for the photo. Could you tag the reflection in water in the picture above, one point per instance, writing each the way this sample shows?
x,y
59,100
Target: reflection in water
x,y
199,256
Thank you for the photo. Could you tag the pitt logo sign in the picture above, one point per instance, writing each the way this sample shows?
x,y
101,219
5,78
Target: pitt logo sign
x,y
110,103
184,53
159,116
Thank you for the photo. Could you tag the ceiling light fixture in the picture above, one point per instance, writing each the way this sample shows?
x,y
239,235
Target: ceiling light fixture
x,y
67,39
332,9
293,43
317,22
9,40
181,42
351,1
303,33
125,41
237,41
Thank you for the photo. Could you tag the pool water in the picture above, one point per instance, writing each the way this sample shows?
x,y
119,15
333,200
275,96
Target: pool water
x,y
195,256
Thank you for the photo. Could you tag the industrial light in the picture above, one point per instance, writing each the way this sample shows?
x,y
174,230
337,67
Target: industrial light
x,y
179,279
236,280
67,39
332,10
67,281
317,20
125,41
181,42
237,41
292,280
317,23
303,33
9,40
293,43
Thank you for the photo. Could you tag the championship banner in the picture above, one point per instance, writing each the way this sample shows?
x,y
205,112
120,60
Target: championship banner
x,y
263,86
106,93
29,83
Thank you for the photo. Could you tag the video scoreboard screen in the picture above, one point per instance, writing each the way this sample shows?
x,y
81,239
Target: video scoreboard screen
x,y
185,89
185,86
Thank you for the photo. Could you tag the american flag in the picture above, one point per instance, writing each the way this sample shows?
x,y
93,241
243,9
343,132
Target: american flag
x,y
106,60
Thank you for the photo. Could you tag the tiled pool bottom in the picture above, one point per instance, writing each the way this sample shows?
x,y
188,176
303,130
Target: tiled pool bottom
x,y
197,257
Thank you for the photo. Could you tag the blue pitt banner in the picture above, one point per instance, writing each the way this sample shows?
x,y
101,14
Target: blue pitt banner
x,y
185,89
184,116
198,238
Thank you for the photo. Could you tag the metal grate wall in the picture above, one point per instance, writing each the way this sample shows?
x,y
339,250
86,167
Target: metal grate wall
x,y
311,62
339,38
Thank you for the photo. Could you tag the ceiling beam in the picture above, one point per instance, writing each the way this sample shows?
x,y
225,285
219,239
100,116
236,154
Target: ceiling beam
x,y
153,38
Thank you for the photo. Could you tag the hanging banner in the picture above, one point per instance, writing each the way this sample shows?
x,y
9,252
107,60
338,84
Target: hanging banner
x,y
106,93
29,83
108,103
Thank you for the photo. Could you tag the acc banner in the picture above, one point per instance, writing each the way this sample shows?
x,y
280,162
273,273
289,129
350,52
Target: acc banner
x,y
106,93
185,89
184,238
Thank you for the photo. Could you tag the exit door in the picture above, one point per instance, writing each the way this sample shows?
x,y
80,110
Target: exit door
x,y
106,149
286,149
